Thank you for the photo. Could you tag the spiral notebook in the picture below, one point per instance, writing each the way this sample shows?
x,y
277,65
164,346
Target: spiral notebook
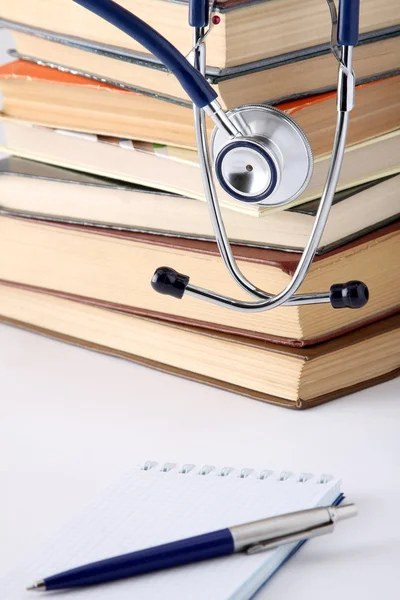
x,y
157,503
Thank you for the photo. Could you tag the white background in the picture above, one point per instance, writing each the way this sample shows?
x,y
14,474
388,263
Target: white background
x,y
5,43
72,421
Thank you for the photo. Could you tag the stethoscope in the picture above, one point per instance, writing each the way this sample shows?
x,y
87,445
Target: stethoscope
x,y
260,155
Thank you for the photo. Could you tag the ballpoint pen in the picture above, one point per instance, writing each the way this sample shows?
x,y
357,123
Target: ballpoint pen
x,y
251,538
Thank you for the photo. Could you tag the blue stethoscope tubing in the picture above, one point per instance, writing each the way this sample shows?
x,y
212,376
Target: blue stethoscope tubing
x,y
353,294
196,86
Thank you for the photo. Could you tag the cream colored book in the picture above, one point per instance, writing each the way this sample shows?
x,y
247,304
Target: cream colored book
x,y
291,377
176,170
53,98
37,190
114,268
248,30
268,81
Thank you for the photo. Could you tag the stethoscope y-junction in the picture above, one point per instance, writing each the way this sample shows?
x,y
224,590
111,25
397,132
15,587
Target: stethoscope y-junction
x,y
259,154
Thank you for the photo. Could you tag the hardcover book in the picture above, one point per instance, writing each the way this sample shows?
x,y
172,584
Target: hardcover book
x,y
289,377
240,37
176,170
52,98
114,268
37,190
271,80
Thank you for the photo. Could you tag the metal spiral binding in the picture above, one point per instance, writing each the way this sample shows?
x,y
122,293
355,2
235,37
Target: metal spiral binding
x,y
206,470
149,464
324,478
168,467
225,471
303,477
285,475
265,474
187,468
244,473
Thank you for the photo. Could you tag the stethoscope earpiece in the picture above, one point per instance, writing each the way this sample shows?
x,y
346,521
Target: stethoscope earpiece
x,y
269,163
169,282
353,294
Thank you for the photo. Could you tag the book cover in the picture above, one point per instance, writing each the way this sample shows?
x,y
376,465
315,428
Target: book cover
x,y
215,75
53,265
67,196
352,340
132,114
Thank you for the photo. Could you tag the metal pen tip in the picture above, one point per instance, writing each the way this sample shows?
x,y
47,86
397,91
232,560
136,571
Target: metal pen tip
x,y
346,511
38,586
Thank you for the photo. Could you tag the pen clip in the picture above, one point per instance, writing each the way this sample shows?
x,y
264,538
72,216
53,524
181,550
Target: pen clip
x,y
288,539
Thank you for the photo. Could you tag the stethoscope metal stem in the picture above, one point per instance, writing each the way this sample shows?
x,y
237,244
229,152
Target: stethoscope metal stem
x,y
220,118
268,301
227,302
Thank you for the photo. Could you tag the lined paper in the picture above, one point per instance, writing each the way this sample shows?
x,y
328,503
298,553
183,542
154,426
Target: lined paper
x,y
150,507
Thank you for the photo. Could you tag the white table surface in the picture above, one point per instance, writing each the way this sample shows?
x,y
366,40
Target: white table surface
x,y
72,421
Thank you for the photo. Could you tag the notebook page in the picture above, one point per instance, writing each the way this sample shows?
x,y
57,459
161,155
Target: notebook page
x,y
150,507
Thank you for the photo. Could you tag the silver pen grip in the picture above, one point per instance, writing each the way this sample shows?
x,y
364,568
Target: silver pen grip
x,y
284,529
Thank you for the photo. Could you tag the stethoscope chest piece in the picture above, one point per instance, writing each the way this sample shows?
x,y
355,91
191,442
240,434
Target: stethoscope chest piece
x,y
271,163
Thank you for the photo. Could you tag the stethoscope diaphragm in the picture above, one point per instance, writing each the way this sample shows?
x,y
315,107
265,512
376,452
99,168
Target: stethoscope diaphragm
x,y
270,164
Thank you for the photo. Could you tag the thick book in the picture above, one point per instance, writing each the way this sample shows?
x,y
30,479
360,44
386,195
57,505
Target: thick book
x,y
37,190
50,97
276,79
176,170
249,30
114,268
290,377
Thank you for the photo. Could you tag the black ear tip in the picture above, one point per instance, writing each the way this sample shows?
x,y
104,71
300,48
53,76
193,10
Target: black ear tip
x,y
169,282
353,294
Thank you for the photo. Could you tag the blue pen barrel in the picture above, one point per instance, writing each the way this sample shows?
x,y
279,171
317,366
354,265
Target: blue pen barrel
x,y
175,554
198,13
196,86
348,22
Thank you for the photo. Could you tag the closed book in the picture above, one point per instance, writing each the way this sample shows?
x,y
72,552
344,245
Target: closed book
x,y
50,97
37,190
290,377
271,80
239,38
176,170
114,268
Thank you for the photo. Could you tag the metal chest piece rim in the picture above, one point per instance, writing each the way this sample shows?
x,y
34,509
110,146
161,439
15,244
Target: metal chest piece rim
x,y
271,164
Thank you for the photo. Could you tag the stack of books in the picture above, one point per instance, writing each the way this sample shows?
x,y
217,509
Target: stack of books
x,y
102,185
